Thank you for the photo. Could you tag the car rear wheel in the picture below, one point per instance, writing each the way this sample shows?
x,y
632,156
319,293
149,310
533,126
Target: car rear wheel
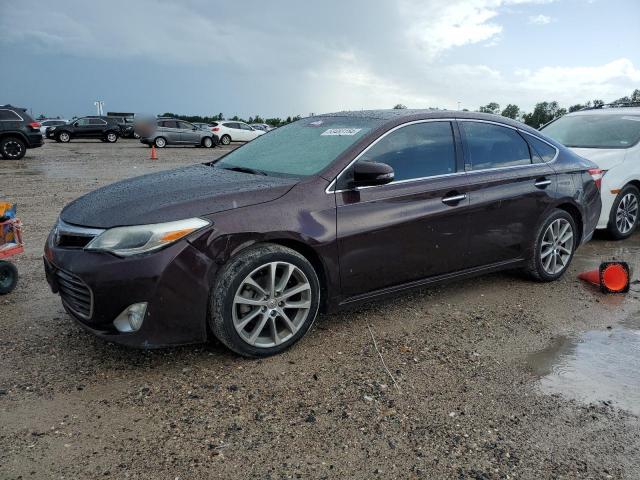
x,y
623,219
225,140
64,137
112,137
207,142
12,148
553,248
8,277
265,299
160,142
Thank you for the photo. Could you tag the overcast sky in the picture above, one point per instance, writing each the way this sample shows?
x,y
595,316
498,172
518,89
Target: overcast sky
x,y
277,58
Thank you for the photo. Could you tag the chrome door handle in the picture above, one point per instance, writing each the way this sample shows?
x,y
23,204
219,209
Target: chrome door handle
x,y
542,183
454,198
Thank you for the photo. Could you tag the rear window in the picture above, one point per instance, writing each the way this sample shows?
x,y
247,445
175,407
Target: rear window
x,y
596,131
301,148
492,146
545,151
9,115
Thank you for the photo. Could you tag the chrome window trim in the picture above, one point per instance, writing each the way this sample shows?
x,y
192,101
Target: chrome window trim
x,y
15,113
329,190
63,227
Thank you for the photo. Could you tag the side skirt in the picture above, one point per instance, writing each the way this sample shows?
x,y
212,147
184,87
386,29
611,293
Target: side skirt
x,y
459,275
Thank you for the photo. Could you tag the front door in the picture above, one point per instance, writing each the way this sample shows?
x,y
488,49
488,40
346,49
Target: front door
x,y
509,189
189,133
412,228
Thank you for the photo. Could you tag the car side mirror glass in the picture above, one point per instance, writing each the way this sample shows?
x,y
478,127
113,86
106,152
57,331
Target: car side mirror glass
x,y
366,174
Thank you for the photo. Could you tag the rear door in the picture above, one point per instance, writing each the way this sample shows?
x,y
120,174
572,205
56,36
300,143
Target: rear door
x,y
412,228
509,189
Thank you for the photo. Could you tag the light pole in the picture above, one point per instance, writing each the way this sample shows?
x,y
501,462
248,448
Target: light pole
x,y
99,107
458,105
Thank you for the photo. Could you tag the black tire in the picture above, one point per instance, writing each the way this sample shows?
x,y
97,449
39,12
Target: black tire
x,y
534,267
12,148
160,142
111,137
8,277
225,140
229,281
64,137
207,142
613,228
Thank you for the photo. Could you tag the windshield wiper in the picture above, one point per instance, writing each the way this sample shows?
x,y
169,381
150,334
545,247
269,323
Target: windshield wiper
x,y
252,171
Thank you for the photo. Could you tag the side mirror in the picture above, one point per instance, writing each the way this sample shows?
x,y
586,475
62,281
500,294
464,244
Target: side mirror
x,y
367,174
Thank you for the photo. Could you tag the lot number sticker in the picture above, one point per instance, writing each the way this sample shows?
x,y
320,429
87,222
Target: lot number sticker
x,y
341,131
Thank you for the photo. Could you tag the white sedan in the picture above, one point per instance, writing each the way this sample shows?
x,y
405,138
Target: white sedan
x,y
609,136
234,131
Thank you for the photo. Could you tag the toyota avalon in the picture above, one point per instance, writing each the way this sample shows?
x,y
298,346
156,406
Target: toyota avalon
x,y
320,214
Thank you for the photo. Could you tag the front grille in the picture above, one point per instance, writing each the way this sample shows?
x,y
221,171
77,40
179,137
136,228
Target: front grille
x,y
75,294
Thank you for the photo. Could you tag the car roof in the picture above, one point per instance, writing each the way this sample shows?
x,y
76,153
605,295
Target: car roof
x,y
608,111
408,115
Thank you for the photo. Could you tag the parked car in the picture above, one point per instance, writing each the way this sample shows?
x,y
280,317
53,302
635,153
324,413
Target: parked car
x,y
262,126
203,126
44,124
323,213
127,126
232,131
171,131
610,137
18,132
102,128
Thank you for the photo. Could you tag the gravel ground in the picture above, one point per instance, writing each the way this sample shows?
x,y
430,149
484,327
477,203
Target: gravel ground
x,y
466,405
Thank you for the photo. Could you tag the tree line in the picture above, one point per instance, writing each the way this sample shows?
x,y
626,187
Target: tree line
x,y
544,112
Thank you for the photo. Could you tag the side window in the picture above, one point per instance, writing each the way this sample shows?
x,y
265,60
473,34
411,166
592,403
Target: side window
x,y
170,124
493,146
9,116
543,149
416,151
97,121
82,122
244,126
185,126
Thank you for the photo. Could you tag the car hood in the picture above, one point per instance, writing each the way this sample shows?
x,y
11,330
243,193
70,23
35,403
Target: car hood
x,y
605,158
186,192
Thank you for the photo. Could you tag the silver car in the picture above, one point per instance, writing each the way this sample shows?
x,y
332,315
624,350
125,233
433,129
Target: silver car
x,y
171,131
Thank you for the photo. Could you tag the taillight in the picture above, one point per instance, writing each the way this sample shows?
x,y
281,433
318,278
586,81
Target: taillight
x,y
597,175
35,125
215,129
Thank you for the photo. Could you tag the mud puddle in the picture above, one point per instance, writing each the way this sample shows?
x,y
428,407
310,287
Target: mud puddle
x,y
597,366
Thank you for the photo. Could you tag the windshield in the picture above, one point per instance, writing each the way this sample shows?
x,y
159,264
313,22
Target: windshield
x,y
301,148
596,131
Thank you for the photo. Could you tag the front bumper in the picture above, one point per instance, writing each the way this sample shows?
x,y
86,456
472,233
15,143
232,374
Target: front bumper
x,y
175,283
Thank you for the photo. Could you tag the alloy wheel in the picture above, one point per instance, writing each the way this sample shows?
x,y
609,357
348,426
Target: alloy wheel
x,y
13,149
64,137
271,304
112,137
160,142
627,213
557,246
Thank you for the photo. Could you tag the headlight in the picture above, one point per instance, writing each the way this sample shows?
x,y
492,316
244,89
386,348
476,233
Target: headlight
x,y
126,241
52,128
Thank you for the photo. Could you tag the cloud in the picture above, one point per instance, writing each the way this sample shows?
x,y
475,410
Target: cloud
x,y
540,20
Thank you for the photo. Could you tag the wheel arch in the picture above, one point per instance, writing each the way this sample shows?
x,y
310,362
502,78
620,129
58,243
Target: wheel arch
x,y
20,135
576,214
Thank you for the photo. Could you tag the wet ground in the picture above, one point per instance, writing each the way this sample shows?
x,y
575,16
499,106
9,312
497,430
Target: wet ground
x,y
498,377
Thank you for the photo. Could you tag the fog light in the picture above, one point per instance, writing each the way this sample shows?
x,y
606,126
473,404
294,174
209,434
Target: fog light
x,y
130,320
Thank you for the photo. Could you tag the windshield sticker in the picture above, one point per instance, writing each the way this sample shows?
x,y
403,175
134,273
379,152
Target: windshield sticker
x,y
635,119
349,132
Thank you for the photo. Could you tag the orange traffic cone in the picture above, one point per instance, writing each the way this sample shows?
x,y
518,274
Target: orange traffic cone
x,y
611,277
154,155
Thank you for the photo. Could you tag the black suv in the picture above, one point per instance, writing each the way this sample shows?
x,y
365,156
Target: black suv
x,y
102,128
18,131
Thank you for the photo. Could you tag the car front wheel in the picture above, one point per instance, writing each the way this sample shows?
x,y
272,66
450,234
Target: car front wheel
x,y
623,219
553,248
12,148
265,299
64,137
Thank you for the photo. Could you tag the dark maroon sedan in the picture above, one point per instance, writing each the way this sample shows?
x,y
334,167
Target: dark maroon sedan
x,y
320,214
